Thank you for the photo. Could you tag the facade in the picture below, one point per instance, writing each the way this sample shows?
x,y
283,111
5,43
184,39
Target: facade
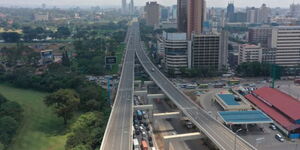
x,y
250,53
176,50
195,17
182,15
286,41
206,51
240,17
152,13
259,35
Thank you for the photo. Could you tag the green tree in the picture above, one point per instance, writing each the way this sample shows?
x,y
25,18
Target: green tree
x,y
64,102
11,109
62,32
8,128
2,99
2,146
65,59
11,37
87,130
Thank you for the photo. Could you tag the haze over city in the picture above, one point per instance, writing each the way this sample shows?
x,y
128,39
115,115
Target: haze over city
x,y
149,74
116,3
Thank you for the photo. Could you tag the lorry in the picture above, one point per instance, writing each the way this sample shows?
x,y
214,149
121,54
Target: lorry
x,y
144,145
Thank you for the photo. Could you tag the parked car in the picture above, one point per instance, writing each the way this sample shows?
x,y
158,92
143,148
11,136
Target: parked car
x,y
279,137
273,127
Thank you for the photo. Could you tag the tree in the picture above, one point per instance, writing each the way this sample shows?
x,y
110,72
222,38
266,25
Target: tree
x,y
8,128
64,102
62,32
88,130
11,37
11,109
2,99
65,59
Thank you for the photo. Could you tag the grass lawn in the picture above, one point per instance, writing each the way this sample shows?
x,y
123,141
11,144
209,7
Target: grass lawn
x,y
41,129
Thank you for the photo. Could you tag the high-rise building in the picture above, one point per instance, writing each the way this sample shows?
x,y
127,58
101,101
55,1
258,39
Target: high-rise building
x,y
250,53
124,6
152,13
252,15
264,14
131,7
286,41
230,12
182,15
174,12
240,17
259,35
206,51
295,10
164,13
196,13
176,50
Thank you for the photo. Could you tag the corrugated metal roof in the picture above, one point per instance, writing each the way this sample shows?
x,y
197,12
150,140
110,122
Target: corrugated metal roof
x,y
281,101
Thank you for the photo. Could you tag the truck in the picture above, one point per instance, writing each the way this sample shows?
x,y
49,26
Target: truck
x,y
144,145
136,145
139,114
187,123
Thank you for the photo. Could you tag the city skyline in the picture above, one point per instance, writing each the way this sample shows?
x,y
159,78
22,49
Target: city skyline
x,y
117,3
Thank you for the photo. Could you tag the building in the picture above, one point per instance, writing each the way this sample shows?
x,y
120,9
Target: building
x,y
231,102
264,14
124,7
152,13
250,53
286,41
195,17
223,55
131,7
259,35
41,17
206,51
252,15
230,12
282,108
176,50
164,13
182,15
240,17
295,10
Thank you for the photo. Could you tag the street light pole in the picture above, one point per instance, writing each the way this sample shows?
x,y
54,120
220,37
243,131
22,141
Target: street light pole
x,y
235,137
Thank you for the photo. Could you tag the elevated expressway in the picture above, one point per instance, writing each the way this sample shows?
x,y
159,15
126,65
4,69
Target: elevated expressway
x,y
224,138
118,133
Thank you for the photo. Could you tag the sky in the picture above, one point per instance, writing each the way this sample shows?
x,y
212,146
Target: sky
x,y
210,3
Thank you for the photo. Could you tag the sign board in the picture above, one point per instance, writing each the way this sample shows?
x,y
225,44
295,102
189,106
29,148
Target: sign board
x,y
110,60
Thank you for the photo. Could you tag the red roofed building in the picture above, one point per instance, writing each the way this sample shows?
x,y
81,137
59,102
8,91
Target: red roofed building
x,y
282,108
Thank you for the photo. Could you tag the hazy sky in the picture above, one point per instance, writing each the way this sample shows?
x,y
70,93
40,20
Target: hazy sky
x,y
210,3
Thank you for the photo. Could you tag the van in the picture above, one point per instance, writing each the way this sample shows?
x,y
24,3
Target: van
x,y
279,137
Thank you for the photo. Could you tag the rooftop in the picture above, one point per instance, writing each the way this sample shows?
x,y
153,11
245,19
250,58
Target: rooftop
x,y
228,99
245,117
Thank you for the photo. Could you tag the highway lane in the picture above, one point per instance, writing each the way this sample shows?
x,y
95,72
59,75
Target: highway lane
x,y
219,134
118,134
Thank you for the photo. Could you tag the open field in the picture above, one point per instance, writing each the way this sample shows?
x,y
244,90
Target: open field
x,y
41,129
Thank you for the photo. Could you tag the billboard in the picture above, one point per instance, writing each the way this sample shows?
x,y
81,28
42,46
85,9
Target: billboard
x,y
110,60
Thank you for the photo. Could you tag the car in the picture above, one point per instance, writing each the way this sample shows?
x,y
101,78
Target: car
x,y
152,70
273,127
149,138
150,143
279,137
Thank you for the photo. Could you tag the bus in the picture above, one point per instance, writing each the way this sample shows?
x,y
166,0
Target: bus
x,y
144,145
233,82
203,86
